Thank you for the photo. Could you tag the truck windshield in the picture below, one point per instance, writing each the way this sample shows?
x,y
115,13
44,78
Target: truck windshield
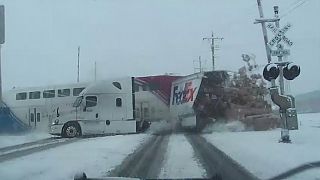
x,y
78,101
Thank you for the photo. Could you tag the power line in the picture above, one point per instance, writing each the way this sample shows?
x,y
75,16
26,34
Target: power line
x,y
297,5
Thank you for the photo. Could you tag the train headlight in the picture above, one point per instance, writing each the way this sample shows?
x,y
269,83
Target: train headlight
x,y
56,122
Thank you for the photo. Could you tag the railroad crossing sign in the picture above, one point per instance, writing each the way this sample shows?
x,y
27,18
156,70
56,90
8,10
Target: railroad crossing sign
x,y
279,35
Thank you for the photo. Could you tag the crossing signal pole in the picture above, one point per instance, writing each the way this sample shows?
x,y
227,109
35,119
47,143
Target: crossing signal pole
x,y
212,39
272,71
78,65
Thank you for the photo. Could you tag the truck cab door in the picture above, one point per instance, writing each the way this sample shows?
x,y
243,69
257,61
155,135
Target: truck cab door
x,y
119,112
90,115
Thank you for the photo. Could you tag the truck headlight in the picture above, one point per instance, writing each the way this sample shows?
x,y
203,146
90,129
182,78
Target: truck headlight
x,y
55,122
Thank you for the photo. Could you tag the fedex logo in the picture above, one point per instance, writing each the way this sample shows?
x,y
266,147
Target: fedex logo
x,y
183,96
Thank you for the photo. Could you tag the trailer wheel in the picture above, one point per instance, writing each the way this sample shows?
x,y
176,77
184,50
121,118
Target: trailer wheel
x,y
71,130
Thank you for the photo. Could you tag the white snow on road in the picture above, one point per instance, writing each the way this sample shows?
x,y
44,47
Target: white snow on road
x,y
95,156
180,161
310,174
260,152
10,140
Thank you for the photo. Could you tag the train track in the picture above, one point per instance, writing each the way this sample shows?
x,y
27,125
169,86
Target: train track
x,y
16,151
217,164
13,147
146,161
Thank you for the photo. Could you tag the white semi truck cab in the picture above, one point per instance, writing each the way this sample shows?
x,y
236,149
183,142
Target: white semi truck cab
x,y
105,107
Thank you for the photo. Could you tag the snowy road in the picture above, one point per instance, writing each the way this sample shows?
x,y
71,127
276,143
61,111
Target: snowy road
x,y
230,155
179,156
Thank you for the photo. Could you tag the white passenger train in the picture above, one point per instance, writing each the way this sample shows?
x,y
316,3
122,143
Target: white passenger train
x,y
35,105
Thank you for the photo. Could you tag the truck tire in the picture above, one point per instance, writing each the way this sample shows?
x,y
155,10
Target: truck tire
x,y
71,130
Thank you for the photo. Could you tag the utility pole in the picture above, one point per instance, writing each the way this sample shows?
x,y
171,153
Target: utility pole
x,y
0,79
95,71
78,63
212,38
200,65
2,40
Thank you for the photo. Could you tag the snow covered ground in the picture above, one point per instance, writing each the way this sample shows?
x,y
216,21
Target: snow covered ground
x,y
93,156
10,140
261,154
180,161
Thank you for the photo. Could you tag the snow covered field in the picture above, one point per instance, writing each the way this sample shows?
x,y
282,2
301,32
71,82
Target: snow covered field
x,y
10,140
180,161
261,154
93,156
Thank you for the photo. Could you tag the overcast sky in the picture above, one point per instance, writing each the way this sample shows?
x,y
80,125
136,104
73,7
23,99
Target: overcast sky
x,y
146,37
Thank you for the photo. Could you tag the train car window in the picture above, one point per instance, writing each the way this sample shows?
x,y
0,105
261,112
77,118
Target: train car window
x,y
63,92
32,117
38,117
118,102
34,95
117,85
91,101
77,91
21,96
49,94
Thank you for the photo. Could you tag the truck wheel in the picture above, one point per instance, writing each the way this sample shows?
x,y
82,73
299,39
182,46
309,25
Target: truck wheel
x,y
71,130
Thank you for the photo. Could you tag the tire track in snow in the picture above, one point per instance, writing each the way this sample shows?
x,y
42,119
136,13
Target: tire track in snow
x,y
145,162
180,160
217,164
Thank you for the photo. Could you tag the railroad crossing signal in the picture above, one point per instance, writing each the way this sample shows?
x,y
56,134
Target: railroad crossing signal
x,y
279,35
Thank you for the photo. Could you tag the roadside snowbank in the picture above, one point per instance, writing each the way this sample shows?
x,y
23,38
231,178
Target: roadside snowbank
x,y
94,156
260,152
232,126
